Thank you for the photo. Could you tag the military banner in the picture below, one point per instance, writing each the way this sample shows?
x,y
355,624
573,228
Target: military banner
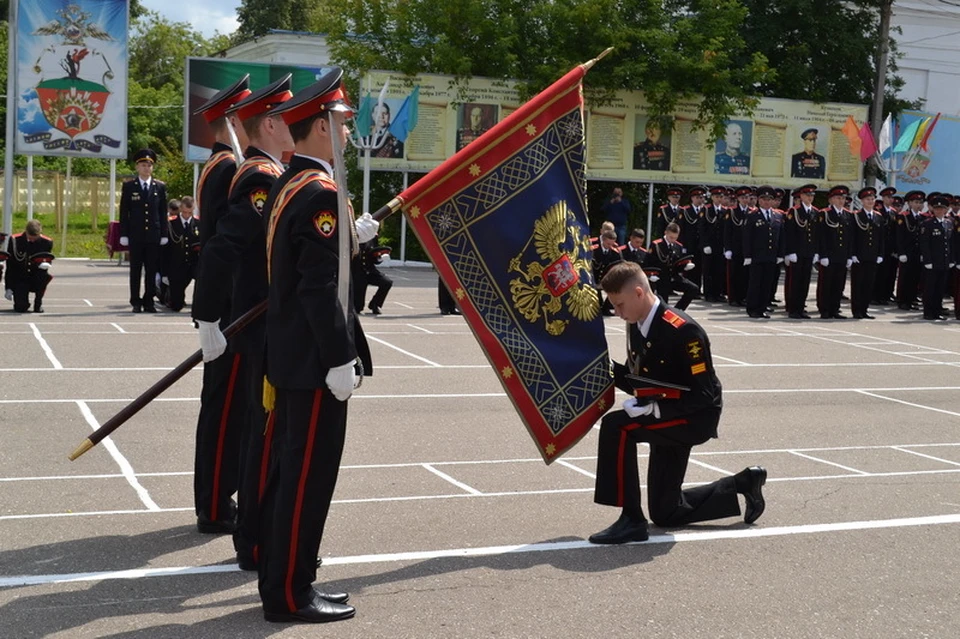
x,y
936,168
504,221
71,78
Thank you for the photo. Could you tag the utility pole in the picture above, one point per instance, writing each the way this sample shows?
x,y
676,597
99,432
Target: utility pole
x,y
883,57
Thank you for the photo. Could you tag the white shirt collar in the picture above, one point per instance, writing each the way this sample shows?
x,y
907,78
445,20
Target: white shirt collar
x,y
645,325
323,163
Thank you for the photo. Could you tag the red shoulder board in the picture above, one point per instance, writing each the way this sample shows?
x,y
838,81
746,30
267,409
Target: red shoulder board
x,y
171,218
673,319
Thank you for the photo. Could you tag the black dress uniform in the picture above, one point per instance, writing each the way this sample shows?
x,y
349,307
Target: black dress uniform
x,y
689,237
676,351
218,428
713,265
937,255
733,222
763,246
603,259
908,251
667,261
887,270
366,273
800,239
180,259
868,246
836,247
635,255
24,275
143,221
667,213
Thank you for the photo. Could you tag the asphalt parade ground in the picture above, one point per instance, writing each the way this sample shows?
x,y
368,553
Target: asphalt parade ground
x,y
446,523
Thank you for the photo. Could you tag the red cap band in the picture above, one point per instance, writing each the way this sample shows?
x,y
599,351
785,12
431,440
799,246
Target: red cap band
x,y
262,106
315,105
220,110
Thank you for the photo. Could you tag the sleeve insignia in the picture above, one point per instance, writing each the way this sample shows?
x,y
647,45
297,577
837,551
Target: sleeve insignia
x,y
695,349
258,197
673,319
326,223
696,369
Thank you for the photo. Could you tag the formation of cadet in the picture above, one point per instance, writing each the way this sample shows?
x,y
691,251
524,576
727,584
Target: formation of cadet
x,y
743,240
28,257
180,255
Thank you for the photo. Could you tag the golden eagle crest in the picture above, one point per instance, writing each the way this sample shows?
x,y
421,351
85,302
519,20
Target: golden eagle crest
x,y
542,287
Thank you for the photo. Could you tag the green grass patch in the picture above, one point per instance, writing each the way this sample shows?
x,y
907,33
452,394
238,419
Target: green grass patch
x,y
82,239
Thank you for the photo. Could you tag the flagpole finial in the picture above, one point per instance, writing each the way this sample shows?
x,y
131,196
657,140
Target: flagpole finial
x,y
589,63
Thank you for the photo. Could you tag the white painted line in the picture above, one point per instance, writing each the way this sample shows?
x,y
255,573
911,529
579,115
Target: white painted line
x,y
900,401
104,370
125,468
458,484
88,302
728,359
406,306
708,466
400,350
829,463
117,326
566,464
420,328
938,459
46,347
739,532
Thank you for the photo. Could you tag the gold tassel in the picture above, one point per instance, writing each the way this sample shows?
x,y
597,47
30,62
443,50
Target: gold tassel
x,y
269,395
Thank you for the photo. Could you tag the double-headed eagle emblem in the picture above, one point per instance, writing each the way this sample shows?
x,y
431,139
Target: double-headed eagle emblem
x,y
74,25
560,277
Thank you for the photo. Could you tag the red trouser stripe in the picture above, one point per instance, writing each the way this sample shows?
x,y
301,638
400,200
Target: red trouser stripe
x,y
265,457
623,443
224,418
298,505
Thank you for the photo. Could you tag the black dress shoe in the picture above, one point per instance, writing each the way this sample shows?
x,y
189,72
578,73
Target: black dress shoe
x,y
333,597
149,309
37,309
319,610
452,311
137,308
805,315
225,525
623,530
753,494
759,315
375,310
246,562
867,316
795,316
839,316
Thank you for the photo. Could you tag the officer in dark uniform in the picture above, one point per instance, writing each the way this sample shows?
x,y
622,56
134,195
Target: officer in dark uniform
x,y
937,253
473,116
314,342
836,249
800,248
887,270
868,252
216,461
143,228
182,253
366,273
689,224
808,163
604,256
235,259
665,266
634,251
665,345
762,250
28,268
650,155
733,222
908,251
713,265
669,212
956,272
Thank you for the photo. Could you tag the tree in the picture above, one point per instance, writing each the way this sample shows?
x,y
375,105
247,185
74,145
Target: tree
x,y
257,17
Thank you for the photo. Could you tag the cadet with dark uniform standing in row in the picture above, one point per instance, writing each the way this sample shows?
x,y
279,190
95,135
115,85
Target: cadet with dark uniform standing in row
x,y
887,270
143,229
669,212
762,251
800,248
713,266
867,228
937,248
835,251
908,251
28,268
218,428
733,223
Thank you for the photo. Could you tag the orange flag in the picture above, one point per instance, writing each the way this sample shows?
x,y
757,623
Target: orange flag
x,y
852,131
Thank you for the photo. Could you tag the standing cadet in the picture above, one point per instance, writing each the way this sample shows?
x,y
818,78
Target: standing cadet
x,y
908,251
689,224
634,251
800,247
713,266
667,346
835,250
219,429
235,258
314,346
143,229
180,261
762,250
733,247
669,212
887,270
28,268
956,266
868,249
937,256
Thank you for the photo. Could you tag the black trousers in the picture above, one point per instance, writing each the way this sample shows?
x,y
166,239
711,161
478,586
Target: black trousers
x,y
714,275
35,283
445,300
216,465
934,288
679,284
144,257
179,278
886,279
798,284
308,434
736,280
374,278
618,479
908,282
830,283
252,465
762,276
863,279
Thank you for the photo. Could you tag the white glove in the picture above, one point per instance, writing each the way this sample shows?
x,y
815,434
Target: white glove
x,y
165,280
825,261
929,267
779,260
689,266
855,259
747,261
792,257
341,380
654,278
164,240
9,294
950,265
849,262
366,230
903,258
633,409
816,258
44,266
707,250
124,241
728,255
958,267
879,259
212,342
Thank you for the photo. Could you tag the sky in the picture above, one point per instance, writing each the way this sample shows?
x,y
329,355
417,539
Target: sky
x,y
206,16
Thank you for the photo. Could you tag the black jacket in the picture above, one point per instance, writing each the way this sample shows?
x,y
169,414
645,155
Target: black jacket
x,y
834,235
868,236
143,217
937,243
800,231
213,189
762,239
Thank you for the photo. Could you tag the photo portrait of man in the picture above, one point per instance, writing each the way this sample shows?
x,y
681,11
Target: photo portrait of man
x,y
733,151
808,163
653,153
392,147
475,120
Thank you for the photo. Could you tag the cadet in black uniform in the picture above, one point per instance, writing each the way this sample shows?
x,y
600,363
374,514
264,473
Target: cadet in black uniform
x,y
28,268
180,262
908,251
634,251
665,265
833,232
689,224
604,256
669,212
937,246
219,429
667,346
868,250
887,270
711,242
733,222
235,258
366,273
314,342
800,250
143,229
762,250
